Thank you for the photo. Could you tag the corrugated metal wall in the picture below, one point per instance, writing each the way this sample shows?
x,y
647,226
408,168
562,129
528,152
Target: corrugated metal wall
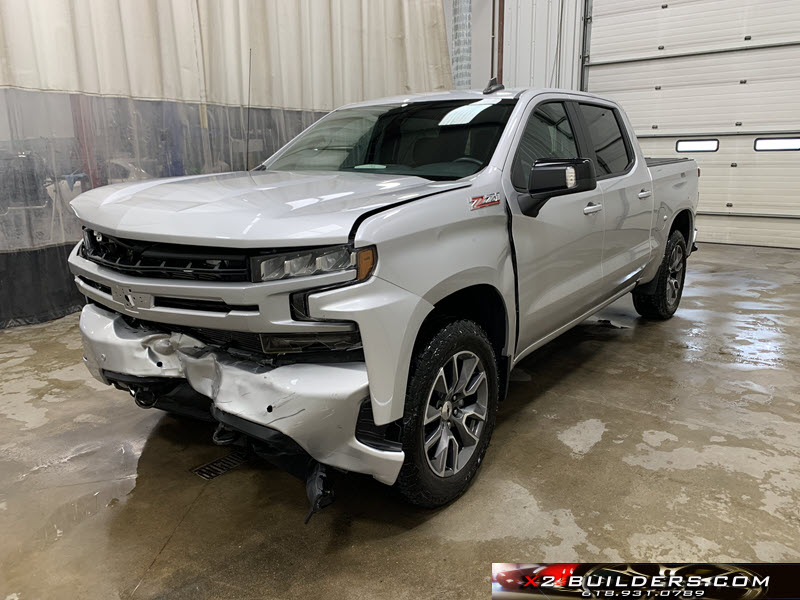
x,y
542,43
712,69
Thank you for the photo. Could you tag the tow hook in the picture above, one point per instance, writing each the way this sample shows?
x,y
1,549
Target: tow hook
x,y
318,490
224,436
144,398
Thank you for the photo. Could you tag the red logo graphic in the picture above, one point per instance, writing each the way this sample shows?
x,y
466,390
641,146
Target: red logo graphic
x,y
531,581
483,201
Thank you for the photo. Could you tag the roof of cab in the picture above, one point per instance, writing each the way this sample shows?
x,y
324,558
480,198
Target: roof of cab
x,y
465,95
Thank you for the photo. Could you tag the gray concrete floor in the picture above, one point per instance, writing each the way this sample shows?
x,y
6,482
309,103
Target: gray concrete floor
x,y
622,440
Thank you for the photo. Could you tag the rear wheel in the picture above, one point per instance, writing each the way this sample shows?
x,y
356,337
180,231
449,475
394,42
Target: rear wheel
x,y
660,298
450,412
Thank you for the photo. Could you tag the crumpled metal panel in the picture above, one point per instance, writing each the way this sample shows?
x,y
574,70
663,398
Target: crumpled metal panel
x,y
314,404
373,305
110,344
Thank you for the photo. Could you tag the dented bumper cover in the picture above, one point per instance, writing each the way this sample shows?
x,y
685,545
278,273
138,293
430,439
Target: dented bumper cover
x,y
316,405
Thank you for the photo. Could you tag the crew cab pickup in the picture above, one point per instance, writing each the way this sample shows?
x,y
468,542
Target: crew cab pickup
x,y
357,302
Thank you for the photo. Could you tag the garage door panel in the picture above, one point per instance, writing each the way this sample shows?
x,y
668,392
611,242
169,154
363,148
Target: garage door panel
x,y
711,109
635,30
705,93
763,65
751,231
728,70
761,183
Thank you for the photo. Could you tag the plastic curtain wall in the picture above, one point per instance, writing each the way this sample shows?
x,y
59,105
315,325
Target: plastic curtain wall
x,y
94,92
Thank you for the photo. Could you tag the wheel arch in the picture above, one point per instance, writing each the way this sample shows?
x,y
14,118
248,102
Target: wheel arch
x,y
484,304
683,222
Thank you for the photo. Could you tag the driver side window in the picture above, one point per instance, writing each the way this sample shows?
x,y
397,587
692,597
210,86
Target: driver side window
x,y
548,134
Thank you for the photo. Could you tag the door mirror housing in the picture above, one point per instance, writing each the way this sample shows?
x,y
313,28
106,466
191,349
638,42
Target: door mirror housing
x,y
557,177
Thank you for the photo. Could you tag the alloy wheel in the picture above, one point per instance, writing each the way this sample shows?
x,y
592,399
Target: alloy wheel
x,y
455,413
675,276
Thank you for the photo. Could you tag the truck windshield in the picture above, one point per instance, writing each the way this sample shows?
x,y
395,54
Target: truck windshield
x,y
439,140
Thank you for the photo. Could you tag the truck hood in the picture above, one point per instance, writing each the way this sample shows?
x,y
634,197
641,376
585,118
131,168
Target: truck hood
x,y
247,209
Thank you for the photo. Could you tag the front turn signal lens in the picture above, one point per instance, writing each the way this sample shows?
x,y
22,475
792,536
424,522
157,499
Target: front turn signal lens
x,y
366,258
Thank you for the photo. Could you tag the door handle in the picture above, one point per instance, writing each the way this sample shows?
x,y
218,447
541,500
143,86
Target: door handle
x,y
592,208
645,194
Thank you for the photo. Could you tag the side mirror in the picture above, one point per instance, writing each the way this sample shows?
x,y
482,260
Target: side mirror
x,y
557,177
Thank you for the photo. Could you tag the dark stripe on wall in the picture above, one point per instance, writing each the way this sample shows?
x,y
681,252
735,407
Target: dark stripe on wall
x,y
36,286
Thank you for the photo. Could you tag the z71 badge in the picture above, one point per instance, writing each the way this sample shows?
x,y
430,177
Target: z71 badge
x,y
483,201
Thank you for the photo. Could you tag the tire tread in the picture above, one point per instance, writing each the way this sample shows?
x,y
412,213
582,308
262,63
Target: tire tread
x,y
411,482
650,301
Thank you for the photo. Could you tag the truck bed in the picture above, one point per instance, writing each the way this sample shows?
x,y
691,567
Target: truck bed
x,y
674,184
658,162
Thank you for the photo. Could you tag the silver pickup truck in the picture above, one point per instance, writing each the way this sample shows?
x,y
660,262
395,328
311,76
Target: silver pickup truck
x,y
357,302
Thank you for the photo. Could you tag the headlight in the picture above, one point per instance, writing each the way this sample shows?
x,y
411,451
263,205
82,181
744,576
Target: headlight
x,y
314,261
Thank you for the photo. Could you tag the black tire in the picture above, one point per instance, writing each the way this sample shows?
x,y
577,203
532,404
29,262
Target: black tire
x,y
660,298
460,341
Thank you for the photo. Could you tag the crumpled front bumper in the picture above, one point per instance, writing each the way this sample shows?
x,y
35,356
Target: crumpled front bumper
x,y
316,405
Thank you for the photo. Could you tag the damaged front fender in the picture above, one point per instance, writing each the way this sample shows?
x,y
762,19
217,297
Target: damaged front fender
x,y
389,318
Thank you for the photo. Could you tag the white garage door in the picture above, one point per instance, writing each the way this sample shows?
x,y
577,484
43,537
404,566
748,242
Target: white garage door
x,y
719,81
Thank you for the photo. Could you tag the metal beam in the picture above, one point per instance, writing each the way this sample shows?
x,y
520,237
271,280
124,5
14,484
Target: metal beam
x,y
501,30
586,43
713,135
690,54
704,213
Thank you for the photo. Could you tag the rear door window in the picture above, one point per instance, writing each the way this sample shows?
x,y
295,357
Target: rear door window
x,y
607,138
548,134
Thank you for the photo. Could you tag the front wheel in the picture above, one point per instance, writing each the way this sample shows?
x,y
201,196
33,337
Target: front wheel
x,y
450,411
660,298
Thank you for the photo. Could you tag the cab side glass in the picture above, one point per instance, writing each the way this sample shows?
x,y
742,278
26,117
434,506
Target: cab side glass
x,y
547,135
606,137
